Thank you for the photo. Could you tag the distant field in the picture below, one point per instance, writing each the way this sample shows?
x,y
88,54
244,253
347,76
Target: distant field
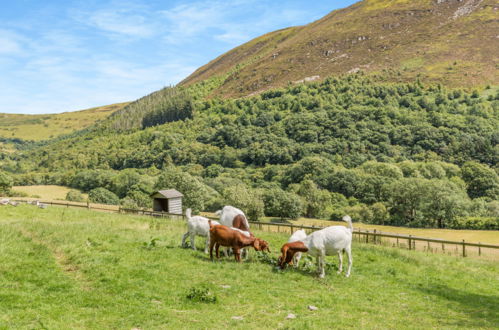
x,y
70,268
42,127
482,236
47,192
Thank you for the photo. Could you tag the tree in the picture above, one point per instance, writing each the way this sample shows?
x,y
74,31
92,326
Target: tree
x,y
382,169
315,201
103,196
280,203
247,199
405,199
446,202
481,180
310,167
380,214
423,202
5,183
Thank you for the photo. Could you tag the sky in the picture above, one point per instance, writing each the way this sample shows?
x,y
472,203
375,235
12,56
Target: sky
x,y
58,55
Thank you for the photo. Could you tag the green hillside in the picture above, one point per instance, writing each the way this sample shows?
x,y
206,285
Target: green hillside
x,y
47,126
450,42
81,269
399,154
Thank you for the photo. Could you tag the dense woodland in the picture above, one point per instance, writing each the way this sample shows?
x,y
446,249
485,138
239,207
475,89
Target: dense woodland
x,y
385,153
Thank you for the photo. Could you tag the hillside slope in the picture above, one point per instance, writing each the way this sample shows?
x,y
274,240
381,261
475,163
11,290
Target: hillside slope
x,y
46,126
446,41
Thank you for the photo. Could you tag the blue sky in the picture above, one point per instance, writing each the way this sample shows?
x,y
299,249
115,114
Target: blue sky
x,y
60,56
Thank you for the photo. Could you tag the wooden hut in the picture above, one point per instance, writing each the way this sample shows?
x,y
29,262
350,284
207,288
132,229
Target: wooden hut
x,y
169,201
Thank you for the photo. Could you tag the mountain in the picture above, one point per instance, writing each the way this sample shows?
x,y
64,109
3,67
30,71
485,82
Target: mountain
x,y
379,145
453,42
46,126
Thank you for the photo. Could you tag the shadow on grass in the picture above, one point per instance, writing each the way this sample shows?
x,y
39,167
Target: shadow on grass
x,y
482,310
206,257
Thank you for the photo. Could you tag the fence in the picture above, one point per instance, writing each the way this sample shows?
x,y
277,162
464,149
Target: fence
x,y
462,248
365,236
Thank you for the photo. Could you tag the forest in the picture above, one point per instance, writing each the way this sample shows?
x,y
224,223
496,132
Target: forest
x,y
405,154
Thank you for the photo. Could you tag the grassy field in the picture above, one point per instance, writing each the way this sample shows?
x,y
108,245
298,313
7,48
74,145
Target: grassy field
x,y
66,268
47,192
42,127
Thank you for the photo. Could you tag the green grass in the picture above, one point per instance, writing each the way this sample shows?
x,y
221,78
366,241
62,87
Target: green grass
x,y
42,127
64,268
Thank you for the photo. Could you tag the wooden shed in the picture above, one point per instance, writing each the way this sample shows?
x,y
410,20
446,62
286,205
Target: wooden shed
x,y
169,201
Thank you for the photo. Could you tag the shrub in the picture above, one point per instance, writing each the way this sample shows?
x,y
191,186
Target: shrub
x,y
484,223
129,203
201,295
103,196
74,196
5,183
138,198
16,193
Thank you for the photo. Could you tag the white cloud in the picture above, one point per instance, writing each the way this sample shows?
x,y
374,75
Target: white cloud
x,y
122,22
103,52
194,19
10,43
120,19
232,22
53,84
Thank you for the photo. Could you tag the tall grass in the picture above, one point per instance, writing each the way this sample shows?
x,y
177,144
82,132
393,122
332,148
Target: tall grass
x,y
67,268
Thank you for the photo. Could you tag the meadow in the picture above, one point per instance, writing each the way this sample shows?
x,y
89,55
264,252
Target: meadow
x,y
47,192
63,267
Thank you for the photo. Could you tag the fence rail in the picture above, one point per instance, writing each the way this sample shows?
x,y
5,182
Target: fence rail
x,y
363,235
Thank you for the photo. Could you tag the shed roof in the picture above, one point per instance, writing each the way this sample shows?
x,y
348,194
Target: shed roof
x,y
169,193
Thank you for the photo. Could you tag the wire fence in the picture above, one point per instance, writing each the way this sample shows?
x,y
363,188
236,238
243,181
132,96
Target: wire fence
x,y
409,242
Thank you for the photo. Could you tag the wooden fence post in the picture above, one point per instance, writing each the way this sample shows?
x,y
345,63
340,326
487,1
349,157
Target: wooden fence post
x,y
479,249
374,237
464,249
410,242
367,235
291,229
